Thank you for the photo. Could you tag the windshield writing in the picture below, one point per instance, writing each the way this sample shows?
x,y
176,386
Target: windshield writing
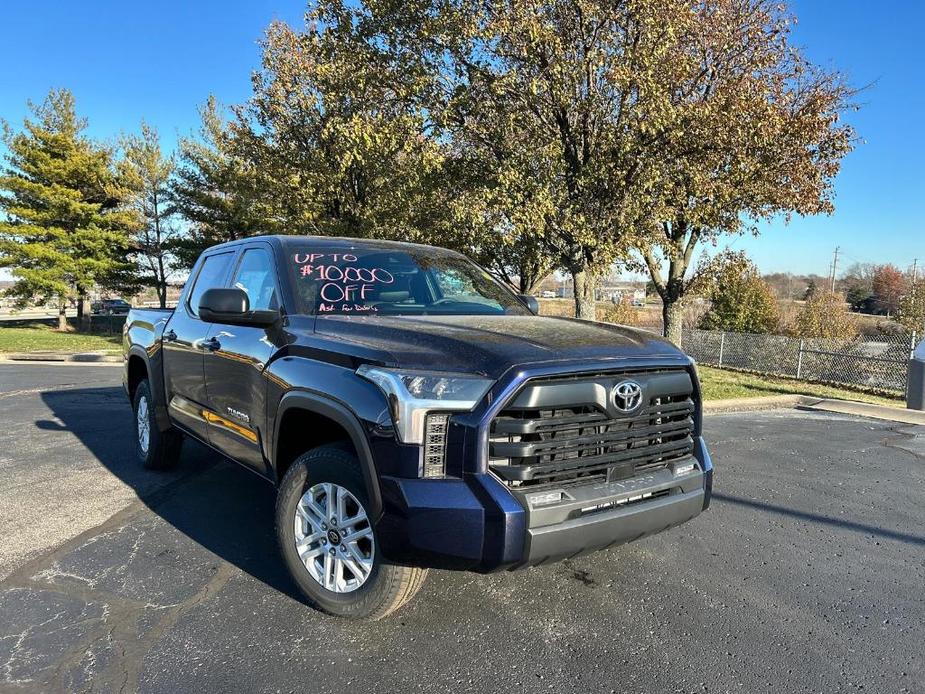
x,y
396,282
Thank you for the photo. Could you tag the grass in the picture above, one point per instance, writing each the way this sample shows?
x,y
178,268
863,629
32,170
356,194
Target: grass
x,y
722,384
42,338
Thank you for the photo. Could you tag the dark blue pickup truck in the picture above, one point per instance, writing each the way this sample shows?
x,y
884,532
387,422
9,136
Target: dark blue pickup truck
x,y
415,413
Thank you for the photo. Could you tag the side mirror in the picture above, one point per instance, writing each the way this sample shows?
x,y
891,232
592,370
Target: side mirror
x,y
232,307
530,302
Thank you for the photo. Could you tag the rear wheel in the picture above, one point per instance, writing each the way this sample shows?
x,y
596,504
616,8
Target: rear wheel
x,y
328,543
156,449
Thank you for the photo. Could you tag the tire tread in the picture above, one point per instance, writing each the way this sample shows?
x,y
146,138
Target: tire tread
x,y
403,581
163,446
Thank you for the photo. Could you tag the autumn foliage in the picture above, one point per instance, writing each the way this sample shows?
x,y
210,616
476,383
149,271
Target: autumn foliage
x,y
888,286
533,135
911,314
741,301
825,315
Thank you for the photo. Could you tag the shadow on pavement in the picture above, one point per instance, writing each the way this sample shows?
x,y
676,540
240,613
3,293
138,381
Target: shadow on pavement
x,y
825,520
224,508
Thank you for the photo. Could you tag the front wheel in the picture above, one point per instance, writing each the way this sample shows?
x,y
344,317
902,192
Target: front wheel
x,y
328,543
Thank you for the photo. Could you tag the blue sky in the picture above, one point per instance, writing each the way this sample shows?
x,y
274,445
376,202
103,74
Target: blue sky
x,y
126,61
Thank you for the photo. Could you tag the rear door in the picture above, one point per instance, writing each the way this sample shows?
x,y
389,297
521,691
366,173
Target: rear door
x,y
234,367
185,343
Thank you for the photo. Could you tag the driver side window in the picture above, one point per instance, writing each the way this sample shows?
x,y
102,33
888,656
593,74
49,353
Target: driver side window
x,y
213,272
256,277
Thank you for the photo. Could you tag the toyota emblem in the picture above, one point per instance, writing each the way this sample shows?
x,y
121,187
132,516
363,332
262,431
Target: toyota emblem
x,y
627,396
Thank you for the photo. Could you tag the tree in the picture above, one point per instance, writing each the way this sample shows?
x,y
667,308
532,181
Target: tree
x,y
329,118
621,312
497,216
66,226
748,130
889,284
147,172
911,313
857,282
825,315
811,290
545,96
740,300
219,191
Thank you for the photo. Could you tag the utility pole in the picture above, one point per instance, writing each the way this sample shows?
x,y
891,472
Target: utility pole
x,y
915,263
834,265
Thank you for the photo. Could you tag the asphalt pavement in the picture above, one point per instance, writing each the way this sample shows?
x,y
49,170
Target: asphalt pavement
x,y
806,575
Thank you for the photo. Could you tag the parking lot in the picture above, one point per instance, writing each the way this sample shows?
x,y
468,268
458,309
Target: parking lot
x,y
806,575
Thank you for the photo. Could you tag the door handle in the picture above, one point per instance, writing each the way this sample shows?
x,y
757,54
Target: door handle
x,y
170,336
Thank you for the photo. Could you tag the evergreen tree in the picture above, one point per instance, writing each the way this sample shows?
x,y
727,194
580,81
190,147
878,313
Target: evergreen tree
x,y
147,172
811,290
65,226
217,190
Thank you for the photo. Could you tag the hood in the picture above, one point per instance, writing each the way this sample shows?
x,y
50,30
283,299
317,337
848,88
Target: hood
x,y
490,345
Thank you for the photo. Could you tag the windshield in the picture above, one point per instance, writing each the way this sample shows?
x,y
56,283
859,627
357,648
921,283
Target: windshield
x,y
347,280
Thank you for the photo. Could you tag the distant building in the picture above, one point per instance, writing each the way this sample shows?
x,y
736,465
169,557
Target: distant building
x,y
607,290
634,292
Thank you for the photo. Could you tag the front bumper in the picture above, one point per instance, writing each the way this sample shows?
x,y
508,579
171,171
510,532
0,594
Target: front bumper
x,y
606,515
477,523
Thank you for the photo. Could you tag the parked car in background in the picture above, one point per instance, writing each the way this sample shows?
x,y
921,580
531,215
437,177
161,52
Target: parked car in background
x,y
413,412
110,307
548,294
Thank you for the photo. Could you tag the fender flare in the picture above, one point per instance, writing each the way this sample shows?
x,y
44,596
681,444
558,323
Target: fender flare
x,y
334,410
155,380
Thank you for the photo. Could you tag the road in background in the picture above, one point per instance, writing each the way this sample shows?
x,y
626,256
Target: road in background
x,y
806,575
35,314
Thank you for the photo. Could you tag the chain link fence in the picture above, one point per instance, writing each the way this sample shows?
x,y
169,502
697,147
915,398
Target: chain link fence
x,y
874,362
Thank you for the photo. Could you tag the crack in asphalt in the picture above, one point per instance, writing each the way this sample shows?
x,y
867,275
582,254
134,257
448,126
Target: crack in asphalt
x,y
115,632
118,623
901,436
120,618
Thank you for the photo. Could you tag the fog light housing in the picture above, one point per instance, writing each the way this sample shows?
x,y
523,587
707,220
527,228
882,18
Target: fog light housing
x,y
434,453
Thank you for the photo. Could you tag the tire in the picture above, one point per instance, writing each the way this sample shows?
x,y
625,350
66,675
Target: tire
x,y
160,450
385,586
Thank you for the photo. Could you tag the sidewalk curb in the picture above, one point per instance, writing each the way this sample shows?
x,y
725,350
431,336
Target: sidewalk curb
x,y
805,402
62,357
773,402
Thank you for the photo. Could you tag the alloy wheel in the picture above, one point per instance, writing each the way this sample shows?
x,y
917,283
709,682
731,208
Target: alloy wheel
x,y
144,425
333,537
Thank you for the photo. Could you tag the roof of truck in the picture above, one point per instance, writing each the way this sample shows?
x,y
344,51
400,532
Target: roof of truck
x,y
288,241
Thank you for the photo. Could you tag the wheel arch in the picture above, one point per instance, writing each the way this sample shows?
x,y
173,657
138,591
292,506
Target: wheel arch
x,y
137,371
316,405
140,365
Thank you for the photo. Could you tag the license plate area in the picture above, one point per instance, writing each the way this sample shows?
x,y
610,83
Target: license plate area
x,y
621,471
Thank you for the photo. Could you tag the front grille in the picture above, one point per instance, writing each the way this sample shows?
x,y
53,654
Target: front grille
x,y
532,444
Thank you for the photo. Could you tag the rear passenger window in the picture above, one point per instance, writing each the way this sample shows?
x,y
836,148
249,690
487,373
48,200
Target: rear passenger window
x,y
211,275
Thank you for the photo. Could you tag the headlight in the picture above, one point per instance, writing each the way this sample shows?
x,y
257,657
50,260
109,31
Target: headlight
x,y
412,394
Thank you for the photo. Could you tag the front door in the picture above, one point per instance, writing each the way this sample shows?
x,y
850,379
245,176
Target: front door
x,y
184,343
234,366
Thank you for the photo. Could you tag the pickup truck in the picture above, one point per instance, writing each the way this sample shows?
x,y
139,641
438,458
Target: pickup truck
x,y
413,412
